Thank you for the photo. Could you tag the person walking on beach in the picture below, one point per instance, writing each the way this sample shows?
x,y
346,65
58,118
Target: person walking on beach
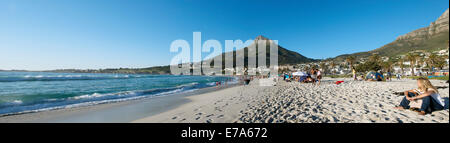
x,y
431,100
354,73
398,76
389,75
313,75
218,83
319,76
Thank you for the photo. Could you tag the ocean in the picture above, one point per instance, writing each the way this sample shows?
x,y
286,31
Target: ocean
x,y
25,92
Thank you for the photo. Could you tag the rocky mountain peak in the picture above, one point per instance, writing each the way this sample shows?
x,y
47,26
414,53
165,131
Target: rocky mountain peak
x,y
260,37
443,16
439,26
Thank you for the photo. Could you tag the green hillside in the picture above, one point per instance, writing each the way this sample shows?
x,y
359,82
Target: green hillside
x,y
432,38
400,47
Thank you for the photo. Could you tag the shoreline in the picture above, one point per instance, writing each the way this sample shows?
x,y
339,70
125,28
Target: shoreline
x,y
222,106
111,112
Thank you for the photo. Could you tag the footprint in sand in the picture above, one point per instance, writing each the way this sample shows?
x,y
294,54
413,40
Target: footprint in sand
x,y
218,109
173,118
403,115
197,118
209,121
210,115
220,116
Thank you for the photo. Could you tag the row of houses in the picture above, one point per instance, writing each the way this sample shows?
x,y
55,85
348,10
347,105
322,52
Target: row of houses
x,y
343,68
420,68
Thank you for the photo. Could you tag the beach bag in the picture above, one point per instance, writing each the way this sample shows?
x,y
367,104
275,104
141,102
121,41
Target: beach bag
x,y
247,81
416,104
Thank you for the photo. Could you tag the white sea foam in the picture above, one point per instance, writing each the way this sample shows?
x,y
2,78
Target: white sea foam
x,y
188,84
17,102
94,95
91,103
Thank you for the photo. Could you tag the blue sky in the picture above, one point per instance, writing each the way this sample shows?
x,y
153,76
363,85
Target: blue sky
x,y
92,34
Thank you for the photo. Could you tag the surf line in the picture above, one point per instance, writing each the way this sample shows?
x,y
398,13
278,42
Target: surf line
x,y
191,133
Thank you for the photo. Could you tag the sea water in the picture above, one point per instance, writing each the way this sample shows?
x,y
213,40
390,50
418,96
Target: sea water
x,y
25,92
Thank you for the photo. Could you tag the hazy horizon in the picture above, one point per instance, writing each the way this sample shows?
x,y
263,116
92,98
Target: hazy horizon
x,y
99,34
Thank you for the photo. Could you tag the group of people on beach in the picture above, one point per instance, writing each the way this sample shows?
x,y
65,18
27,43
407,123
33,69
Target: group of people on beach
x,y
312,76
426,93
379,76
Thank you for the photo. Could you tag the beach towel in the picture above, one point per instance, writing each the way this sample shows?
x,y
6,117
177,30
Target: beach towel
x,y
339,82
302,78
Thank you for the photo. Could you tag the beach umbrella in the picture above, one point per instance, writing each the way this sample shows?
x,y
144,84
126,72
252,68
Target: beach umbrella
x,y
299,74
373,75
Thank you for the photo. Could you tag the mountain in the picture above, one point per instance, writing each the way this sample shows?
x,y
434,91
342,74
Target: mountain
x,y
431,38
150,70
285,56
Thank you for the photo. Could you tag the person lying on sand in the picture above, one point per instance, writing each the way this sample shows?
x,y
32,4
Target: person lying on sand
x,y
308,80
379,78
431,100
361,78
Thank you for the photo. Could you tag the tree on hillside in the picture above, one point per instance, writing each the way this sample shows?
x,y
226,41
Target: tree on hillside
x,y
440,62
368,66
350,61
375,58
324,67
402,65
420,61
432,61
387,66
412,58
333,65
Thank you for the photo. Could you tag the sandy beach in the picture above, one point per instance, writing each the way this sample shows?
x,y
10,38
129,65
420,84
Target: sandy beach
x,y
291,102
351,101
